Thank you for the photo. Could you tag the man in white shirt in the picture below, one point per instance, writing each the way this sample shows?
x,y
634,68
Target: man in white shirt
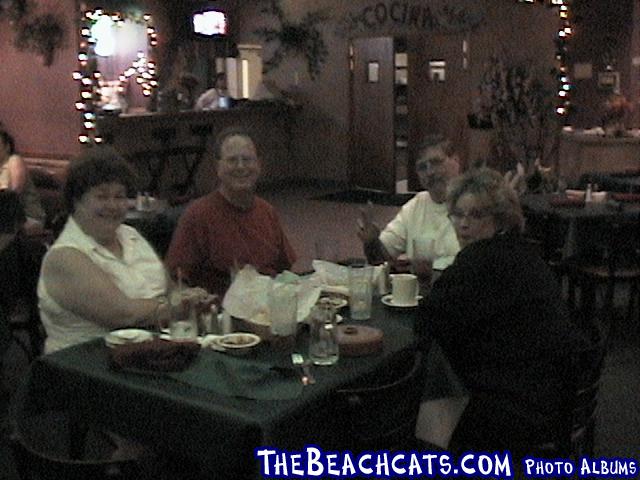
x,y
211,99
422,224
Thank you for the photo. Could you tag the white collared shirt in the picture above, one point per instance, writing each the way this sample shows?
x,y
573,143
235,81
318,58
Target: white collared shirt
x,y
422,218
138,274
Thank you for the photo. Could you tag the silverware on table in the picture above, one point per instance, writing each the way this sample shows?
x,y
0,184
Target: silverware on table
x,y
299,360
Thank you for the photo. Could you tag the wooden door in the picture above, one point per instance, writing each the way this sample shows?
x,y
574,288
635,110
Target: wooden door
x,y
372,108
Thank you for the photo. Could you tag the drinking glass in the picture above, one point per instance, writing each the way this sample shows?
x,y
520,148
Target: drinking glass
x,y
183,323
360,291
323,344
283,309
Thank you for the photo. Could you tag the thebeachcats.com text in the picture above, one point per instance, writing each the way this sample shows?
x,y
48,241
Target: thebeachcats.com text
x,y
314,462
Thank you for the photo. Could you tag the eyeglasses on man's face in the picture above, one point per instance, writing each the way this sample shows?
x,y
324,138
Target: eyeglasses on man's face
x,y
429,164
474,215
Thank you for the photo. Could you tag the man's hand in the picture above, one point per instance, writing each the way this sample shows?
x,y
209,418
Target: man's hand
x,y
368,231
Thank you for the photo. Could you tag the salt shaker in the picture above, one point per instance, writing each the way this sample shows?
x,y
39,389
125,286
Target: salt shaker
x,y
209,320
139,202
224,323
588,196
383,279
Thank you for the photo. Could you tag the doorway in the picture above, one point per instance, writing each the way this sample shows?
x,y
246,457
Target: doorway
x,y
380,114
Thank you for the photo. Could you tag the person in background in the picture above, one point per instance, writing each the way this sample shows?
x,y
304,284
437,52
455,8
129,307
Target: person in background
x,y
214,98
498,314
230,227
15,176
423,219
100,274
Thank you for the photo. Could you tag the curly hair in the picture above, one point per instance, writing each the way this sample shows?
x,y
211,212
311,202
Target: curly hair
x,y
97,165
503,202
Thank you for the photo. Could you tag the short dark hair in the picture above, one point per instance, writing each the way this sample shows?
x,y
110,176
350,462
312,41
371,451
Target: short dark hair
x,y
7,139
97,165
436,141
226,133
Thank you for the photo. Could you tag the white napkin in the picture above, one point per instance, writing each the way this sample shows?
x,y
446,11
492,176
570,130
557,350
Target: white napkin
x,y
334,278
248,295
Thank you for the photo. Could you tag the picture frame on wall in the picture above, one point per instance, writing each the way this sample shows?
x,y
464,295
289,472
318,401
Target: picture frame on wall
x,y
373,72
609,81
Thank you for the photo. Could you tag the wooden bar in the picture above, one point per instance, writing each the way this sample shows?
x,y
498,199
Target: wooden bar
x,y
167,145
582,153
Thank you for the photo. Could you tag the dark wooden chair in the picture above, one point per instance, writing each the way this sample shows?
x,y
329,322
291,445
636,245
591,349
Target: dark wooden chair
x,y
40,447
575,437
382,413
20,261
614,260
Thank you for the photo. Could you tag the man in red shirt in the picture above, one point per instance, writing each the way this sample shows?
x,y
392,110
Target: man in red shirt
x,y
230,227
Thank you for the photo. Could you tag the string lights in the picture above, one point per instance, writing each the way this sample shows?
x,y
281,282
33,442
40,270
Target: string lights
x,y
564,85
89,77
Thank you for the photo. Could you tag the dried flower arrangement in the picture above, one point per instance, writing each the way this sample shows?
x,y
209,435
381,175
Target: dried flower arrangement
x,y
517,104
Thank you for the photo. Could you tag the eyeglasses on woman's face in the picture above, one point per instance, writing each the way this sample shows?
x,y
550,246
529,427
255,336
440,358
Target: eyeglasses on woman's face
x,y
473,215
472,218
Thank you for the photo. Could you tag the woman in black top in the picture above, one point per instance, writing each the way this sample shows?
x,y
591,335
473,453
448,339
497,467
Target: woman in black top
x,y
498,314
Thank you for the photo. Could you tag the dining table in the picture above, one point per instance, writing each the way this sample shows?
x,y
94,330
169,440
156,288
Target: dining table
x,y
222,407
576,225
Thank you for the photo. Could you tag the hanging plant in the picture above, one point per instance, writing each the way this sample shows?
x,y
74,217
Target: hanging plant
x,y
15,10
43,34
302,38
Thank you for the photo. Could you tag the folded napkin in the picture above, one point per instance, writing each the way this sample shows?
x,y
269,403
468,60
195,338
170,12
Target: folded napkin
x,y
248,295
241,377
156,355
567,202
626,197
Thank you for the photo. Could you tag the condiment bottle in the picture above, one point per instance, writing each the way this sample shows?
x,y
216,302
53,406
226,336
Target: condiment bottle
x,y
588,196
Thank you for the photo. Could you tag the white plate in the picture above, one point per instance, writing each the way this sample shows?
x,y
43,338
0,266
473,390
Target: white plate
x,y
336,302
388,301
236,341
127,335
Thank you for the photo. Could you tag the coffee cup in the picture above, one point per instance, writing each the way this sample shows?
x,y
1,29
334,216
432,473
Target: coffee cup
x,y
404,289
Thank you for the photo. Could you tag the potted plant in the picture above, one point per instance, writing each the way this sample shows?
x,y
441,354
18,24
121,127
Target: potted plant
x,y
518,106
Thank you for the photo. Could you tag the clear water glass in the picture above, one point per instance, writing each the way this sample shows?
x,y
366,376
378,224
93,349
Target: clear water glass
x,y
360,291
323,344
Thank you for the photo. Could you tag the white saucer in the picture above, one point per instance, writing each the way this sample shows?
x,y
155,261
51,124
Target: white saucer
x,y
127,335
388,301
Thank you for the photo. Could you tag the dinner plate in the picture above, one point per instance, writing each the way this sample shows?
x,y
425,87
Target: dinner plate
x,y
236,342
127,335
388,301
336,302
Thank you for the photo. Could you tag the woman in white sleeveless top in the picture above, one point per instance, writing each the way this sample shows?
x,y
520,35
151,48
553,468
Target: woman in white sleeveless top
x,y
99,274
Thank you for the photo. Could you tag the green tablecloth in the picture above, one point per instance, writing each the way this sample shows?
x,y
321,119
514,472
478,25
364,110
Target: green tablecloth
x,y
196,417
241,377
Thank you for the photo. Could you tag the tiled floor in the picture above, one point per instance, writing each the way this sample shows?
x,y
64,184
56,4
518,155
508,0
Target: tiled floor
x,y
309,222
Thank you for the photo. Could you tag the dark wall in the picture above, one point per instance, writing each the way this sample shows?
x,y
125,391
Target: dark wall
x,y
602,34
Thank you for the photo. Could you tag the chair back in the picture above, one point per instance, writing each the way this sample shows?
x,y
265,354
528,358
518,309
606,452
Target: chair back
x,y
40,447
382,413
578,423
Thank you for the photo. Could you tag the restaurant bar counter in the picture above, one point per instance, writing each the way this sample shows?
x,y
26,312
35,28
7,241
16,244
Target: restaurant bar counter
x,y
582,152
167,148
199,414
